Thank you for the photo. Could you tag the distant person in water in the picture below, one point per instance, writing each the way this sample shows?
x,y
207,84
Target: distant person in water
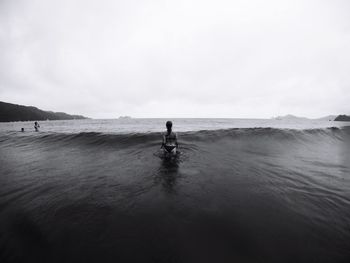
x,y
169,139
36,126
22,129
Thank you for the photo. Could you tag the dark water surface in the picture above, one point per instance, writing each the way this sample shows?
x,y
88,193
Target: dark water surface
x,y
232,195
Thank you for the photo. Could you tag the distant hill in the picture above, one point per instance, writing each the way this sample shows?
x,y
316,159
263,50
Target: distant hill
x,y
290,117
14,112
342,118
327,118
294,118
124,117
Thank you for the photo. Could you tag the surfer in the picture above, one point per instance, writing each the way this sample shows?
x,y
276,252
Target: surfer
x,y
36,126
169,143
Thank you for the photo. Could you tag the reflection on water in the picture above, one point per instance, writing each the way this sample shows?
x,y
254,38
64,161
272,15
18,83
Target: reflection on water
x,y
168,172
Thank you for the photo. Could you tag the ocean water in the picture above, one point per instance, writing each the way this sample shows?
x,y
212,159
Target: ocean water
x,y
238,191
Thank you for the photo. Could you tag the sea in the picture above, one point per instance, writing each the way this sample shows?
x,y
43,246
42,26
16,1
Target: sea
x,y
239,190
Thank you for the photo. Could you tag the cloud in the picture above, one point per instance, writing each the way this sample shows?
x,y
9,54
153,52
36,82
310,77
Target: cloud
x,y
176,58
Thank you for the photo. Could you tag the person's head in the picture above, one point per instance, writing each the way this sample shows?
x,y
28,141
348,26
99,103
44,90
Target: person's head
x,y
169,125
22,129
36,122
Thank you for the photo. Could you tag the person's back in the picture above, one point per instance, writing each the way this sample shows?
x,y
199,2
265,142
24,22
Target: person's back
x,y
169,139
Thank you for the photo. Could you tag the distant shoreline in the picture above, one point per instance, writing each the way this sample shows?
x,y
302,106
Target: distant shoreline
x,y
19,113
13,112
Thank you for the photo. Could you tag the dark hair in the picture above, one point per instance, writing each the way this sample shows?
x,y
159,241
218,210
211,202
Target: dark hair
x,y
169,124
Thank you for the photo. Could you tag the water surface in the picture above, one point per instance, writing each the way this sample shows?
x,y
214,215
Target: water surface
x,y
244,190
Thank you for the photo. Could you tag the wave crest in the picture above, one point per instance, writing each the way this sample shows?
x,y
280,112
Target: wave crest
x,y
206,136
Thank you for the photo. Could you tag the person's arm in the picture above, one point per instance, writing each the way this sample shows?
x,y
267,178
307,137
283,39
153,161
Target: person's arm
x,y
176,143
163,142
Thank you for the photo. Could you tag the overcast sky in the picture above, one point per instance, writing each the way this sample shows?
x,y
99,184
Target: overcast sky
x,y
190,58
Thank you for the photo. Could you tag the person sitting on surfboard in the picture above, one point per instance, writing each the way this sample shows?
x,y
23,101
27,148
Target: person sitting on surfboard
x,y
169,139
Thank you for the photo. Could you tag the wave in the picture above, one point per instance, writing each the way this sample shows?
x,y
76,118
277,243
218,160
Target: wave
x,y
187,138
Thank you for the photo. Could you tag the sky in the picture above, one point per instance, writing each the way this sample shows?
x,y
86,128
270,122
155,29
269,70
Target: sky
x,y
183,58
